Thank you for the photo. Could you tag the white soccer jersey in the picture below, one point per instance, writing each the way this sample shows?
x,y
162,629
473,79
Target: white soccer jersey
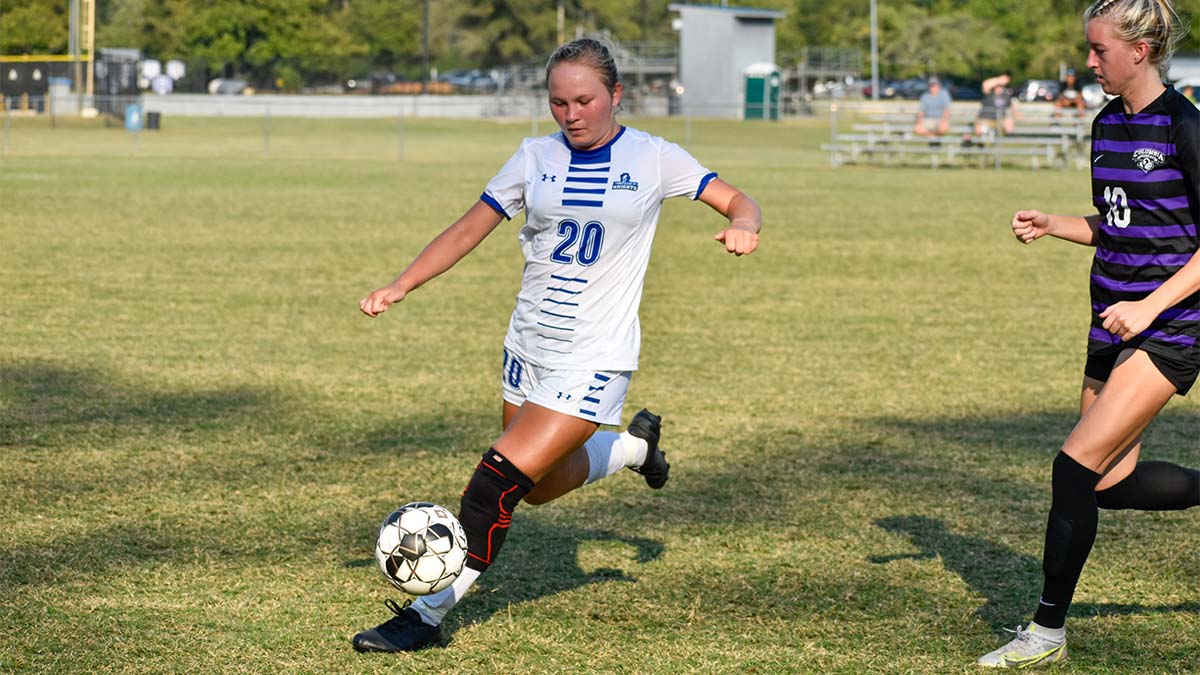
x,y
590,220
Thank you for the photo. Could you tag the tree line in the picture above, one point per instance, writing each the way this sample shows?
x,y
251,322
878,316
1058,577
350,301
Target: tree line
x,y
289,42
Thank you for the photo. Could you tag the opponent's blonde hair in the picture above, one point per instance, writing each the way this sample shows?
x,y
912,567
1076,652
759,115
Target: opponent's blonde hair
x,y
1154,22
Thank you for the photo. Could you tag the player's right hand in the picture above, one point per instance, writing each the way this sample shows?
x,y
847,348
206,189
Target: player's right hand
x,y
377,302
1030,225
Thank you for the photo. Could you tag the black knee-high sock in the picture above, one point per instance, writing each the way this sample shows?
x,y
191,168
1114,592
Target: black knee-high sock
x,y
494,491
1070,532
1154,486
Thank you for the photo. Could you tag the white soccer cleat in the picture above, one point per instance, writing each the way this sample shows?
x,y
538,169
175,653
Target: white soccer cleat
x,y
1027,650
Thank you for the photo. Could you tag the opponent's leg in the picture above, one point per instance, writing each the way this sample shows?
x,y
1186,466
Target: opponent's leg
x,y
1109,428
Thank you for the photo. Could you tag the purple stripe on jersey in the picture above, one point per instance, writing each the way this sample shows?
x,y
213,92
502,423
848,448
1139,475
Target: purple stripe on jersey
x,y
1136,175
1144,120
1101,335
1143,260
1102,145
1152,204
1150,231
1174,314
1129,286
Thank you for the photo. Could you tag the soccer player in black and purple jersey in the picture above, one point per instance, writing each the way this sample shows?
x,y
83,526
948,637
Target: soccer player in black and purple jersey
x,y
1143,343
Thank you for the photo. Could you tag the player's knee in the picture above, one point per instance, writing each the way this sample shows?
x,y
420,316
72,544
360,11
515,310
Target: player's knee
x,y
493,492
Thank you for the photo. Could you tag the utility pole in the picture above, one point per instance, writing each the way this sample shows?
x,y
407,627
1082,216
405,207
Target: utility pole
x,y
425,47
874,51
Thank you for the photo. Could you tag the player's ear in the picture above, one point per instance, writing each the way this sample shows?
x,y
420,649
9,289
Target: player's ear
x,y
616,95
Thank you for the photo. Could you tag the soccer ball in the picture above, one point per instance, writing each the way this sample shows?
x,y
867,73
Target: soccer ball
x,y
421,548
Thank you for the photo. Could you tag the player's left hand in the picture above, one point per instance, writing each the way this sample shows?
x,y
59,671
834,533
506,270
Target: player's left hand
x,y
1127,320
738,240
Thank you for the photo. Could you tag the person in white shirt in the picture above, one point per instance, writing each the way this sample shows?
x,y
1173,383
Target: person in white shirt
x,y
592,195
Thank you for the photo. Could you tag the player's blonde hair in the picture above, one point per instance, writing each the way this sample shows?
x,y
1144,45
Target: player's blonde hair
x,y
591,53
1154,22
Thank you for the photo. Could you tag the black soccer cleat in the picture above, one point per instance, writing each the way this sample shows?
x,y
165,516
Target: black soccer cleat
x,y
648,427
405,632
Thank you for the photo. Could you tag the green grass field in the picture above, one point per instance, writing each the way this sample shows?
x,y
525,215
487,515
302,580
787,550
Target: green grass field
x,y
199,433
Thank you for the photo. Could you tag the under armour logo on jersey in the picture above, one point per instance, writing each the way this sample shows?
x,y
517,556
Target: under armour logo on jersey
x,y
1148,159
548,177
624,183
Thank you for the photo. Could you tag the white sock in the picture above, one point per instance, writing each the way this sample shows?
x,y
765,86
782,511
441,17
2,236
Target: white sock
x,y
433,608
609,452
1055,634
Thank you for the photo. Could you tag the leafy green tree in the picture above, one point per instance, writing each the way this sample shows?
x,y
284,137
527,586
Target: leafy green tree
x,y
33,27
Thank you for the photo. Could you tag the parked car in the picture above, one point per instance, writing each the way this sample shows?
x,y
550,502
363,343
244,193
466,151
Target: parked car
x,y
1039,90
1094,96
912,88
225,86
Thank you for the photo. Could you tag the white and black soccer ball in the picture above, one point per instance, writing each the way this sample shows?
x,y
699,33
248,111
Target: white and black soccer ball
x,y
421,548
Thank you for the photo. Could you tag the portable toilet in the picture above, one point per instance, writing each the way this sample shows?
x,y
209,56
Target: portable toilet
x,y
762,91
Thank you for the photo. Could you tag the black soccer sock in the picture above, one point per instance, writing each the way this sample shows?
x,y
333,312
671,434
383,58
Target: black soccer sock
x,y
487,504
1070,532
1154,486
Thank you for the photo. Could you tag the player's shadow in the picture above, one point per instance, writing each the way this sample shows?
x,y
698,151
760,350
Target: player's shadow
x,y
1007,579
542,559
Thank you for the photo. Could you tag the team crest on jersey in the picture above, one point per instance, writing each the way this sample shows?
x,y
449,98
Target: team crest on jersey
x,y
1148,159
625,184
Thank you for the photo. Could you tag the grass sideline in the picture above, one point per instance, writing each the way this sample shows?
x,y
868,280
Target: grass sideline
x,y
199,433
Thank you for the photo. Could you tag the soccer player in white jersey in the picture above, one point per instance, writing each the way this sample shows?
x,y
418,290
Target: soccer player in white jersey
x,y
592,195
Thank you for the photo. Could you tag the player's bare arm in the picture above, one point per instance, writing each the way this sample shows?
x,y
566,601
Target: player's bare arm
x,y
744,214
1029,226
452,245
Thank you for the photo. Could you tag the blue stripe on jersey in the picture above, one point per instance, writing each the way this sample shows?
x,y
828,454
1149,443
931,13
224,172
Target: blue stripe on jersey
x,y
602,378
561,316
589,399
556,351
582,202
586,179
562,290
570,330
600,155
703,184
1103,145
575,279
561,302
490,201
1137,175
588,412
567,190
556,339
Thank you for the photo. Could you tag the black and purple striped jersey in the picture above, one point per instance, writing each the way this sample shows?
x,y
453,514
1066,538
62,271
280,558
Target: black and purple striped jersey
x,y
1145,169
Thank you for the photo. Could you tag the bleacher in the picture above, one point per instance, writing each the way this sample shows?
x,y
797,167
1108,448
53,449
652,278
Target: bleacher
x,y
1042,137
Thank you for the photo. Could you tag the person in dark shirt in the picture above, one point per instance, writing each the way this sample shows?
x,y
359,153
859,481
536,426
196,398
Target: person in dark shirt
x,y
1070,94
1143,346
996,112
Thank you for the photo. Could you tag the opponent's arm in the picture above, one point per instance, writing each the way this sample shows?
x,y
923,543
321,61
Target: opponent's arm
x,y
1029,226
440,255
745,217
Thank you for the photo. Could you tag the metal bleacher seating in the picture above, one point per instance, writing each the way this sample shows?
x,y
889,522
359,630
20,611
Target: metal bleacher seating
x,y
1041,138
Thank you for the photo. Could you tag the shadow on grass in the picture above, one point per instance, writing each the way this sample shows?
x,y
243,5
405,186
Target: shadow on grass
x,y
1007,579
47,405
